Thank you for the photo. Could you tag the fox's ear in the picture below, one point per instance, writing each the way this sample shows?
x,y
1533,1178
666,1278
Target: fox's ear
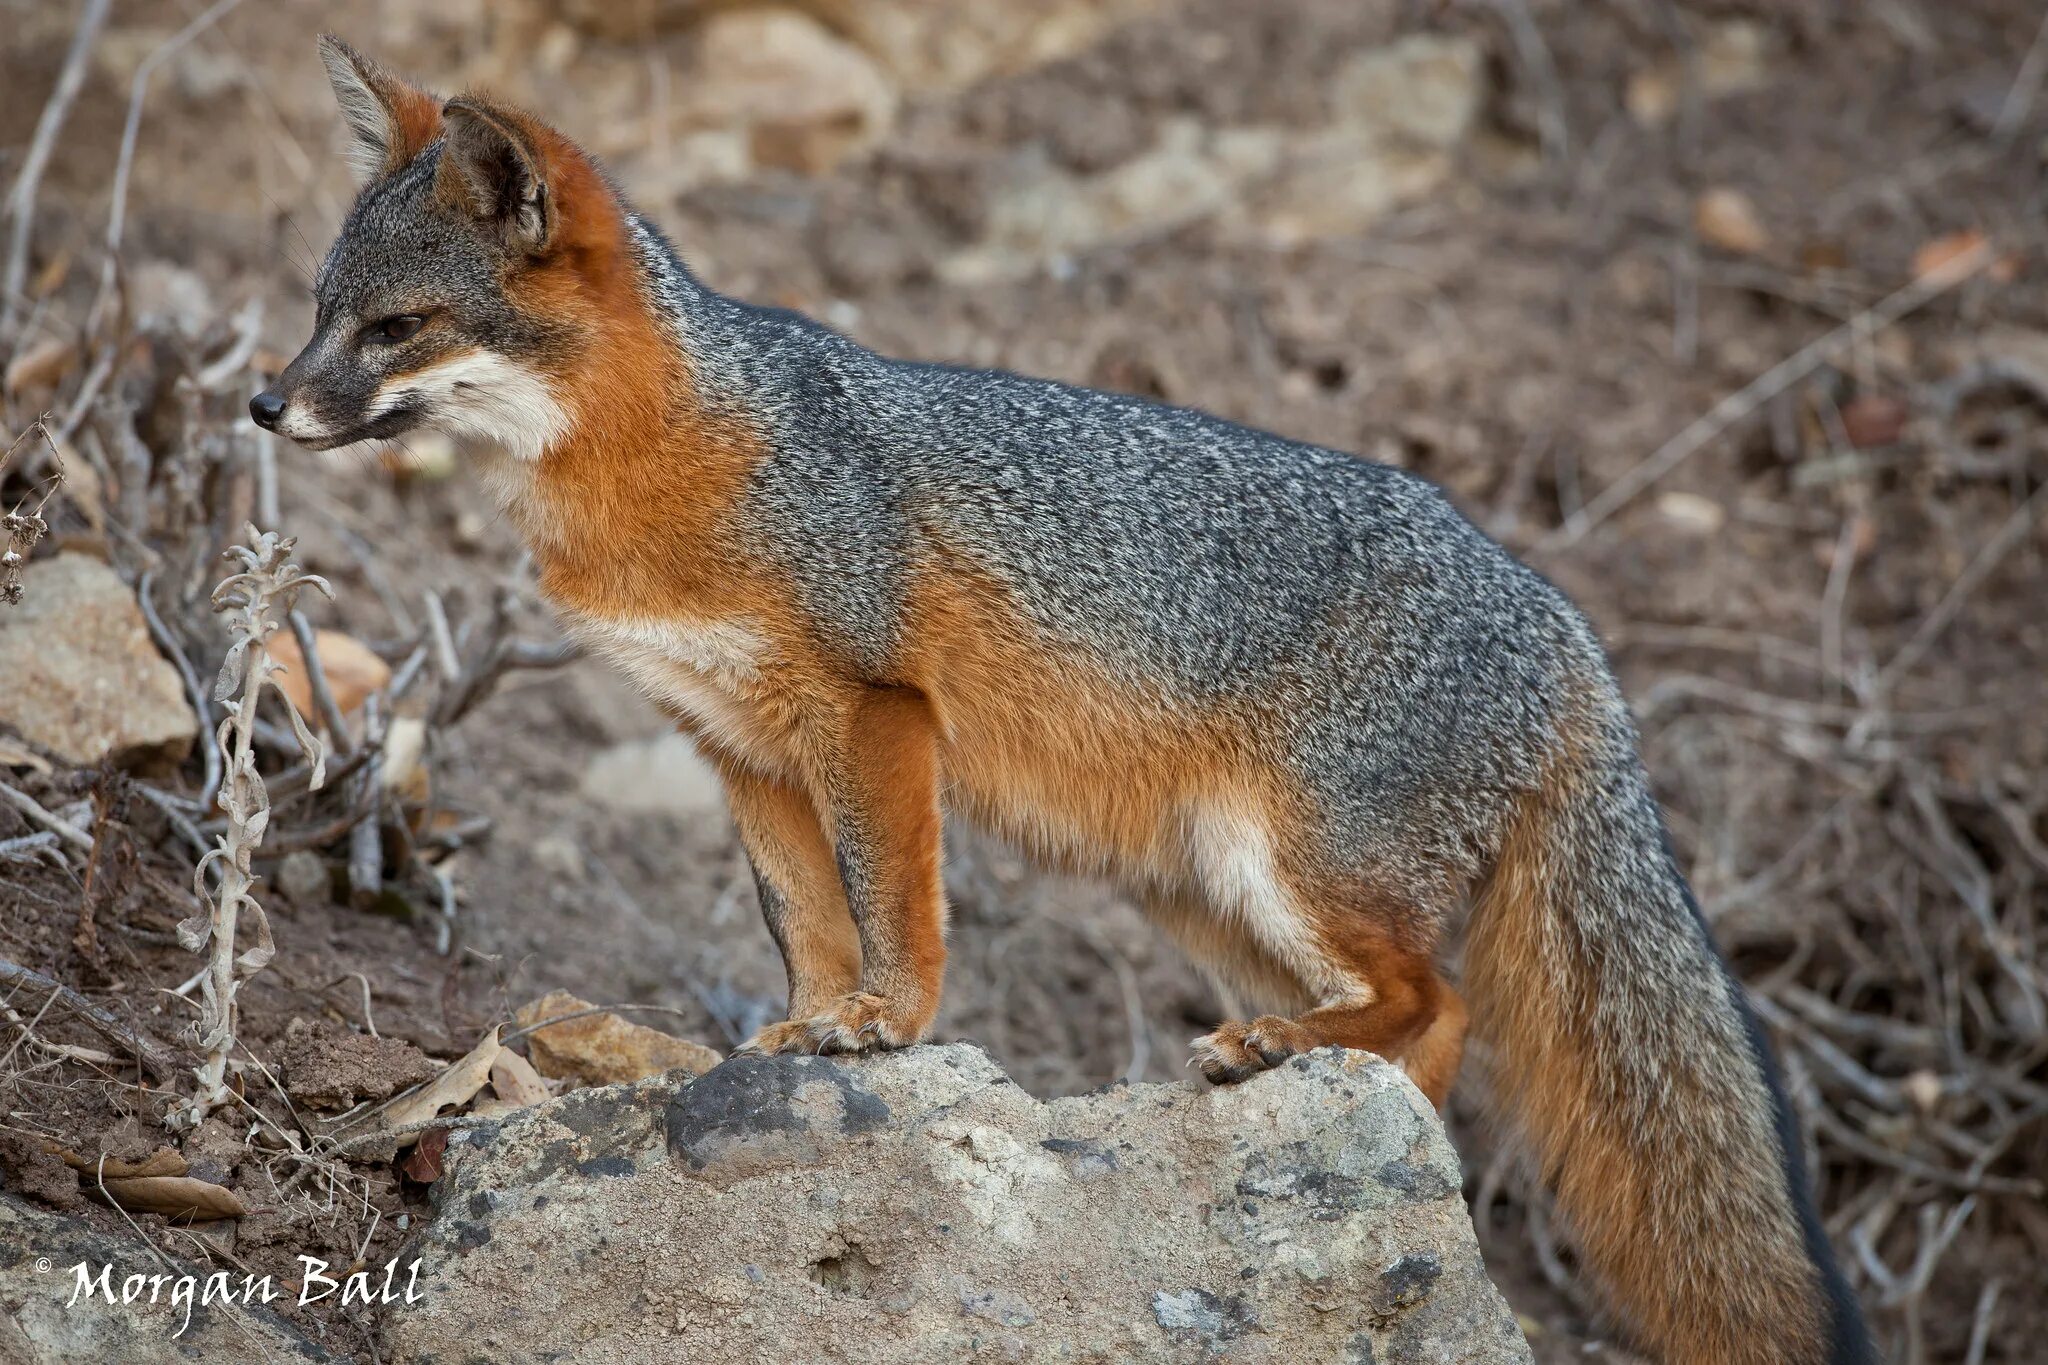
x,y
389,121
493,168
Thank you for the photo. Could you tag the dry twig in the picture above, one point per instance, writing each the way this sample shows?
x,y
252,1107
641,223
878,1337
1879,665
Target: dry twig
x,y
20,207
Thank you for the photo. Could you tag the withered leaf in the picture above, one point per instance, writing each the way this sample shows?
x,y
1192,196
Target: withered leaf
x,y
423,1163
163,1161
181,1198
457,1085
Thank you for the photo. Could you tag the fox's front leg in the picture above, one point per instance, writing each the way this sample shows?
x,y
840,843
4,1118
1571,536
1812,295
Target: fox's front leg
x,y
884,832
797,879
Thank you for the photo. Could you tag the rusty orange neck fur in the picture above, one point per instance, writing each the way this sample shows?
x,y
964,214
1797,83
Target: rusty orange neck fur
x,y
628,512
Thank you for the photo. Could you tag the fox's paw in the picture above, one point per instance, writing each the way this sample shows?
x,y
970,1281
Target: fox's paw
x,y
859,1022
1235,1051
772,1040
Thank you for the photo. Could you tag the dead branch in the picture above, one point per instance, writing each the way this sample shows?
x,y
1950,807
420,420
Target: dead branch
x,y
160,1065
20,207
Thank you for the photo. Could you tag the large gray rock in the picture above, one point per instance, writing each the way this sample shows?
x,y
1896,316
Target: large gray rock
x,y
40,1325
920,1207
79,674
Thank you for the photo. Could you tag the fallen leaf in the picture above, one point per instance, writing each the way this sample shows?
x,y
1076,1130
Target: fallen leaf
x,y
1727,219
40,367
457,1085
1954,253
515,1081
163,1161
423,1163
1874,419
177,1197
353,670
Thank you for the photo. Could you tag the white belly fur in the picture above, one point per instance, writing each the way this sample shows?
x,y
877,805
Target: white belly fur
x,y
704,670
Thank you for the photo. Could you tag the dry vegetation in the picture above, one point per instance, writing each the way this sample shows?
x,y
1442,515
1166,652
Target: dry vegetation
x,y
1729,318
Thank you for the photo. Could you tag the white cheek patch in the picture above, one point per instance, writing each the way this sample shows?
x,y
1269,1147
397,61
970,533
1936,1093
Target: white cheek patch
x,y
484,397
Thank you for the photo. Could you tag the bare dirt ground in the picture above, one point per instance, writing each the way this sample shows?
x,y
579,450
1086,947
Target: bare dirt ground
x,y
1829,610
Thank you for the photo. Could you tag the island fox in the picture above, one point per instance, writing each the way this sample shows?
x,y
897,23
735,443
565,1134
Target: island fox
x,y
1289,698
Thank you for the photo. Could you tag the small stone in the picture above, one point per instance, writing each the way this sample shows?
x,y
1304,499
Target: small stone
x,y
80,676
303,878
1652,96
1726,218
1874,419
664,776
559,856
1692,513
603,1049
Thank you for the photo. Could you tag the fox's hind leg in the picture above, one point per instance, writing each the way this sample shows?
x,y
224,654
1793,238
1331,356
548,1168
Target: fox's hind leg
x,y
1400,1009
1364,960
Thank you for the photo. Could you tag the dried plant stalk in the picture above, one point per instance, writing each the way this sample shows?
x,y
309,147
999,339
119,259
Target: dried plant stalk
x,y
21,530
255,599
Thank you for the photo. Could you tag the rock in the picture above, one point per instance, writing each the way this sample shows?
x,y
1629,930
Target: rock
x,y
603,1049
304,879
79,674
39,1252
1399,113
353,669
331,1068
919,1207
659,776
931,45
631,22
1732,59
809,98
28,1168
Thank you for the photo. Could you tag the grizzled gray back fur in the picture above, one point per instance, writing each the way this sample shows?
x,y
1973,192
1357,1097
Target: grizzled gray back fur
x,y
1419,674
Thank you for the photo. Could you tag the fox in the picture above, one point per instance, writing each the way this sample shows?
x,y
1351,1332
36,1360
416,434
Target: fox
x,y
1289,699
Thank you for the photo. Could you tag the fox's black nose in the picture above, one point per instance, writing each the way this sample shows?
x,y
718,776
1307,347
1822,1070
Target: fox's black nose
x,y
266,407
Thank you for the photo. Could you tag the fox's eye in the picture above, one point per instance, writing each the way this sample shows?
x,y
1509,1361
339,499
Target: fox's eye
x,y
393,330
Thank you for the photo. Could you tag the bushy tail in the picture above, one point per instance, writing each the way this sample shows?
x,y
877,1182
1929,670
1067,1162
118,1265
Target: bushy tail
x,y
1628,1059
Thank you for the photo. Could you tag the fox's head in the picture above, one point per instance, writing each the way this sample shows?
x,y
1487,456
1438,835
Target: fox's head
x,y
468,281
